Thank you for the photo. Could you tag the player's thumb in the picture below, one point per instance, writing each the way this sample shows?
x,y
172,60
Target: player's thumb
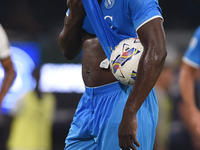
x,y
136,142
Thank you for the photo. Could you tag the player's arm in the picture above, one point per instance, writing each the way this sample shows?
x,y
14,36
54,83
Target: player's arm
x,y
152,37
187,77
188,109
70,38
8,78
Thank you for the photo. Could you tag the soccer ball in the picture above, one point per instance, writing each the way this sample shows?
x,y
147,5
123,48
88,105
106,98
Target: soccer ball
x,y
124,60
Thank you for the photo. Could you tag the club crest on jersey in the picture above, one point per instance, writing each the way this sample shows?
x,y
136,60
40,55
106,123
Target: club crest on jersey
x,y
109,3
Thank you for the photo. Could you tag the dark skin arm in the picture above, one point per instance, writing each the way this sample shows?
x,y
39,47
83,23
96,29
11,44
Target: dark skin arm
x,y
152,38
70,39
9,77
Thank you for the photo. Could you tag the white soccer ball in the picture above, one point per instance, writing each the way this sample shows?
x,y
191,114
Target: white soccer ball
x,y
124,60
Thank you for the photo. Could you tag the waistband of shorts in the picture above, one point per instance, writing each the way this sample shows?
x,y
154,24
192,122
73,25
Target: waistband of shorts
x,y
115,86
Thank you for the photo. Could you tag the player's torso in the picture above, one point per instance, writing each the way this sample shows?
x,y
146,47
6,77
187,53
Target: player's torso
x,y
123,16
92,56
115,14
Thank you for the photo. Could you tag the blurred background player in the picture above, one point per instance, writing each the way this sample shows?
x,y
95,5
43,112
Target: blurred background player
x,y
188,83
31,128
9,76
6,64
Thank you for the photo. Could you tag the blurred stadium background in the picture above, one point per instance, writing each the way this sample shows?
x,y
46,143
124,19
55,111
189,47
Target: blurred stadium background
x,y
33,26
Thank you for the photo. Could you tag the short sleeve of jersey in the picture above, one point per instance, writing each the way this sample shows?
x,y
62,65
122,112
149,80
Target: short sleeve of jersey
x,y
143,11
4,44
192,54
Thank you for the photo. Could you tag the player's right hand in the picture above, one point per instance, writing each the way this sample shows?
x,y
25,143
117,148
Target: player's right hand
x,y
76,9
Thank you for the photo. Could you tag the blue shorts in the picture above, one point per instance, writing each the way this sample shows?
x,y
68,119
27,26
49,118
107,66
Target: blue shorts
x,y
99,112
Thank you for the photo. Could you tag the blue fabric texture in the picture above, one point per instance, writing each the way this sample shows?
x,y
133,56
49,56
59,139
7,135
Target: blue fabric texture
x,y
119,22
99,112
107,37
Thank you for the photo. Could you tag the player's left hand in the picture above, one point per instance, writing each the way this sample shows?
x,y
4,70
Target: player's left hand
x,y
127,133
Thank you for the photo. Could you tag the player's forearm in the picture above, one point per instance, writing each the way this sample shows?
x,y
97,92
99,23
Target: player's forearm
x,y
186,84
150,67
70,39
151,63
7,82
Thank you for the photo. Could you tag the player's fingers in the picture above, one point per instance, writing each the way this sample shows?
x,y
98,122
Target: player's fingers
x,y
123,143
131,146
135,141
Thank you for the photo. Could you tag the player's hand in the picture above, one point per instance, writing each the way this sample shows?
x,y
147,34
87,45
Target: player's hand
x,y
76,9
127,133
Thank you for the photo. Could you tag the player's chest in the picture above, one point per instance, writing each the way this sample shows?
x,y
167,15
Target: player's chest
x,y
114,12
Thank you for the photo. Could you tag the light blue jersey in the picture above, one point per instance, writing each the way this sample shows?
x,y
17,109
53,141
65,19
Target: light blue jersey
x,y
126,16
123,18
192,55
116,20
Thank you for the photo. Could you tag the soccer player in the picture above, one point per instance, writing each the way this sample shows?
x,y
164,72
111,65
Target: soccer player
x,y
35,113
6,64
111,115
7,81
188,76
